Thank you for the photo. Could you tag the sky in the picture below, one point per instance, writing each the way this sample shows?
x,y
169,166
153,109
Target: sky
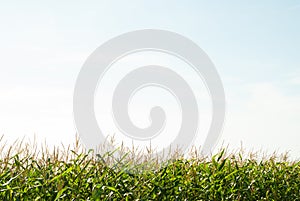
x,y
254,45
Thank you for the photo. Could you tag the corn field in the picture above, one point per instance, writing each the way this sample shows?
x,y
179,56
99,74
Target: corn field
x,y
72,174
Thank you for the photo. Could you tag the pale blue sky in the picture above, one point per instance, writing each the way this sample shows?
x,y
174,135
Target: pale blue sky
x,y
255,46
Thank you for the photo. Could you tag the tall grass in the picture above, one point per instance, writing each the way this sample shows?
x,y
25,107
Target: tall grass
x,y
31,173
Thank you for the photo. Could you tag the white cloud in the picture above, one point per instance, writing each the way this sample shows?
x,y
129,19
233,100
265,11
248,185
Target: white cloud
x,y
267,120
46,113
295,80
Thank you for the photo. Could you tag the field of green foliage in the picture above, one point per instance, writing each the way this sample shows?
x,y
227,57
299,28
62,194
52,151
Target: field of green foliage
x,y
71,175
